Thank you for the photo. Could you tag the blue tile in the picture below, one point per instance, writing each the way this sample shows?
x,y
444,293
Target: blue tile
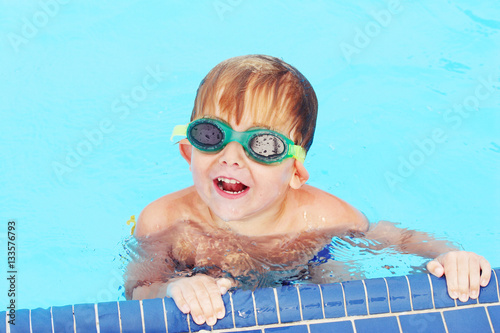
x,y
440,291
251,331
154,318
420,291
195,327
467,320
494,311
333,300
85,318
244,315
22,322
3,328
62,317
40,321
355,298
227,321
338,327
377,296
265,306
109,320
176,320
130,315
489,294
288,329
376,325
422,322
399,293
288,300
310,298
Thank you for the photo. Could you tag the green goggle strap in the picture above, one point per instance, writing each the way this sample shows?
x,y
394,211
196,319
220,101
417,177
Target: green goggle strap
x,y
296,151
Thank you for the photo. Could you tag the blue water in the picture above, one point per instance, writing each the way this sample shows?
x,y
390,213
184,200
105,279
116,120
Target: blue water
x,y
90,92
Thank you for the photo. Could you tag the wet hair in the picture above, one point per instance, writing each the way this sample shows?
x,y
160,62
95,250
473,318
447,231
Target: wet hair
x,y
267,89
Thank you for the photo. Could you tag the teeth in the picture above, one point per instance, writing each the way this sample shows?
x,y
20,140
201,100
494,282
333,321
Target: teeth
x,y
230,181
232,192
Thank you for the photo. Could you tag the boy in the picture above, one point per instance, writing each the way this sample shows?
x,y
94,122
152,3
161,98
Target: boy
x,y
250,214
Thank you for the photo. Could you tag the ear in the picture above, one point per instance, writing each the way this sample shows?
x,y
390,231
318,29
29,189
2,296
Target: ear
x,y
300,175
185,148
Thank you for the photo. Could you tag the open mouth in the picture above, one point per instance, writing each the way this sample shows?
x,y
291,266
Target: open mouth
x,y
230,186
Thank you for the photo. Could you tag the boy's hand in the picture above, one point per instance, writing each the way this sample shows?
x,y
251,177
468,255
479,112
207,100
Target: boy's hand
x,y
200,295
465,272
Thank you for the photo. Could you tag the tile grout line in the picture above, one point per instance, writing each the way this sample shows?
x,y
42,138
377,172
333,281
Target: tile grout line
x,y
353,326
322,301
232,309
277,305
432,291
444,320
344,302
164,314
188,321
52,319
255,309
300,302
142,316
489,319
399,323
119,316
498,284
97,324
74,319
409,289
31,326
388,295
366,297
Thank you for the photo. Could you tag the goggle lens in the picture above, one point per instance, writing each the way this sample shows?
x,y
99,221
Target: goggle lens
x,y
206,135
267,145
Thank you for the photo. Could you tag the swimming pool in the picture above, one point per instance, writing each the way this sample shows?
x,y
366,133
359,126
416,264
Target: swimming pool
x,y
407,130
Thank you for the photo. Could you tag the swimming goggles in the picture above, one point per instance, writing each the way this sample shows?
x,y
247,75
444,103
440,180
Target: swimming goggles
x,y
262,145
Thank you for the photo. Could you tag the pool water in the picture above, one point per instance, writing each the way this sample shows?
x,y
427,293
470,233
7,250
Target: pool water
x,y
408,123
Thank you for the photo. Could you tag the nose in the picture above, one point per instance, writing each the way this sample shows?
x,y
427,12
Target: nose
x,y
232,155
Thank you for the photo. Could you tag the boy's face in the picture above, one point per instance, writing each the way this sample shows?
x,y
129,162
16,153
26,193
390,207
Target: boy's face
x,y
235,187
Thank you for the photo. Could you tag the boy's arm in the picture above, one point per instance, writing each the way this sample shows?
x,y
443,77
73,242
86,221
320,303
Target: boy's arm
x,y
465,271
198,294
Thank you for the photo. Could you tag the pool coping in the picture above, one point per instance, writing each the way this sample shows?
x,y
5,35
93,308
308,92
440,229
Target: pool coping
x,y
410,303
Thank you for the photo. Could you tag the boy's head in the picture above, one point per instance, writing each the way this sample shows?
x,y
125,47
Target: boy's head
x,y
264,89
248,92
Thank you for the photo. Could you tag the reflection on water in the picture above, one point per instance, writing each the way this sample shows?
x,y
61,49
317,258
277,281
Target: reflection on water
x,y
356,257
190,248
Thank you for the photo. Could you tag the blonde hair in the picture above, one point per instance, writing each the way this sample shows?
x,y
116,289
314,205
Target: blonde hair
x,y
268,89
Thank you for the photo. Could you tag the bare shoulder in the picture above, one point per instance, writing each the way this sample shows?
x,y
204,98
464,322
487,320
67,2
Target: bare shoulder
x,y
328,211
165,211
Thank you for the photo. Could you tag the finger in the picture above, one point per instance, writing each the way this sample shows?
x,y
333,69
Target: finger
x,y
485,271
224,285
198,301
435,268
463,277
450,268
474,276
217,304
175,293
